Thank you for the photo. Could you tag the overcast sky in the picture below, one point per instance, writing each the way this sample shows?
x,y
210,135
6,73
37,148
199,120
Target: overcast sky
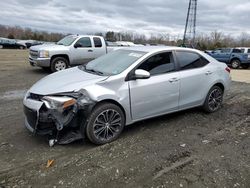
x,y
142,16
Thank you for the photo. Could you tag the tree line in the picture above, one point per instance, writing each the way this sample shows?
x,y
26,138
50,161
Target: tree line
x,y
204,41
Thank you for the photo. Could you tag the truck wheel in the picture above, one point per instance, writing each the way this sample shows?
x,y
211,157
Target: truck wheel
x,y
245,66
58,64
105,124
235,64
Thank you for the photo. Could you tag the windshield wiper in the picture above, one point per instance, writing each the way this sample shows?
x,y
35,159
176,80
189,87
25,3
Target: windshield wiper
x,y
59,43
92,70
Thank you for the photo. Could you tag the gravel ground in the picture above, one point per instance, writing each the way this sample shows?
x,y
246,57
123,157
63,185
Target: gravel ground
x,y
184,149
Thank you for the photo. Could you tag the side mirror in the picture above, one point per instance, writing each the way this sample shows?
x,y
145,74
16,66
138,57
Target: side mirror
x,y
77,45
141,74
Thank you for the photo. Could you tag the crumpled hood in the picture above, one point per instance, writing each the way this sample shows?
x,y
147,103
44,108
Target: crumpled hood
x,y
49,47
72,79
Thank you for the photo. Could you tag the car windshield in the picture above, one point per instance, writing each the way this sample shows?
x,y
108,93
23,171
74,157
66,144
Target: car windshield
x,y
113,63
66,41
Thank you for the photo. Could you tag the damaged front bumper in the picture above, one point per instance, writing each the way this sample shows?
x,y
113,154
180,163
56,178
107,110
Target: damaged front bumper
x,y
42,120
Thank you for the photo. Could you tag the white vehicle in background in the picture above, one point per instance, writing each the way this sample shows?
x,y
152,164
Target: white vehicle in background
x,y
70,51
126,43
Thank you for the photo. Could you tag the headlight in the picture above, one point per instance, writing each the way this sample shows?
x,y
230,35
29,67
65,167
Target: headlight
x,y
44,54
58,103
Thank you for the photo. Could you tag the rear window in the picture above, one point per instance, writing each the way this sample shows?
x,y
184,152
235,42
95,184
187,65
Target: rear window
x,y
97,42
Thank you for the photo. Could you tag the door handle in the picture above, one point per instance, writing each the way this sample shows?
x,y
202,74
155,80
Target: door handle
x,y
171,80
90,50
208,72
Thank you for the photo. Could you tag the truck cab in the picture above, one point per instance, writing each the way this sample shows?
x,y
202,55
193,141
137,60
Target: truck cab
x,y
70,51
231,56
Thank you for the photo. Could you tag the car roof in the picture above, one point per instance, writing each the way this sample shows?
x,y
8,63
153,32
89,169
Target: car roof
x,y
149,49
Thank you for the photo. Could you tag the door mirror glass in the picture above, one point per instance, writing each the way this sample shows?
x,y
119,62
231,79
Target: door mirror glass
x,y
141,74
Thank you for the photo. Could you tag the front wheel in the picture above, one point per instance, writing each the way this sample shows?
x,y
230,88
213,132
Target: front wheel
x,y
105,124
235,64
213,100
58,64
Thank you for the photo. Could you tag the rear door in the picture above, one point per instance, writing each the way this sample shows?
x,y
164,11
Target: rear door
x,y
195,79
99,47
158,94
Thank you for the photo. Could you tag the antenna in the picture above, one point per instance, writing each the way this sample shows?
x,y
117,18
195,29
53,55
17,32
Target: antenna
x,y
190,28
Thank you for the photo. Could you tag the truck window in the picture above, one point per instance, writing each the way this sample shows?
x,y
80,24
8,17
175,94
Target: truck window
x,y
225,50
84,42
237,51
248,51
97,42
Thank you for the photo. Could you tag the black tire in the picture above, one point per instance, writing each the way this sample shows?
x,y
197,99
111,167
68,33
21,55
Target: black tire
x,y
213,100
63,62
235,63
100,130
245,66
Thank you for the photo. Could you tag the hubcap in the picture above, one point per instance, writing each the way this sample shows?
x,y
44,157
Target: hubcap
x,y
60,65
107,125
215,99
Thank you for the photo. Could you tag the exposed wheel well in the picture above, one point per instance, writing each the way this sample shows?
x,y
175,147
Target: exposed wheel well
x,y
113,102
220,85
60,55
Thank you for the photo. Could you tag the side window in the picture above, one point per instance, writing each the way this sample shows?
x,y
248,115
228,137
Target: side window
x,y
190,60
248,51
84,42
237,51
97,42
159,64
225,50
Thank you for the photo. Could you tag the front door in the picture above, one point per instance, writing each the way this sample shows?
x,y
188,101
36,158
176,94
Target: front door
x,y
158,94
83,51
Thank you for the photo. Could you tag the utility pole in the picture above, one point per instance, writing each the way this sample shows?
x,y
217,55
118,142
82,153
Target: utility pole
x,y
190,27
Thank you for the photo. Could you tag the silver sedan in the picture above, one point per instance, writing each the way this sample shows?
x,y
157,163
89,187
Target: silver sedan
x,y
125,86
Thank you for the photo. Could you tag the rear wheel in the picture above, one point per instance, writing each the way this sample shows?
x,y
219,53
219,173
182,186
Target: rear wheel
x,y
213,100
235,63
105,124
58,64
245,66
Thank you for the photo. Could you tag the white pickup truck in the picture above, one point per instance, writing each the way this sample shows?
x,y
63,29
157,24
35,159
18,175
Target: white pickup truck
x,y
71,50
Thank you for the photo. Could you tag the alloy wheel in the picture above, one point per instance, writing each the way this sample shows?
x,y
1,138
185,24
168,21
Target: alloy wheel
x,y
107,125
215,99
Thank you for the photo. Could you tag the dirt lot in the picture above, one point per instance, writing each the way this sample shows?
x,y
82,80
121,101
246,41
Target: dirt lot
x,y
185,149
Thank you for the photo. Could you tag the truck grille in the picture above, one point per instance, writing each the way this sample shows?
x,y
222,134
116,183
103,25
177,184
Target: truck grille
x,y
33,54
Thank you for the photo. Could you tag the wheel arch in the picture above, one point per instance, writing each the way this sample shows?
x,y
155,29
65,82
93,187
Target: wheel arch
x,y
60,55
235,58
112,102
220,85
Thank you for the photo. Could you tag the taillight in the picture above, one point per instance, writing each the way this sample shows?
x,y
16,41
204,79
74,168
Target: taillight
x,y
228,69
